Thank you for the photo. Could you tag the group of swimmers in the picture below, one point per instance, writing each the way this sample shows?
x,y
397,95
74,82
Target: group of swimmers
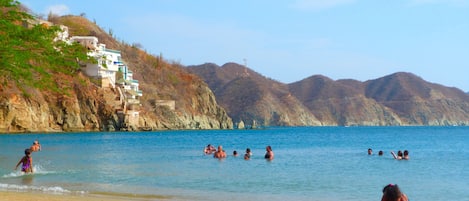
x,y
399,156
220,152
27,160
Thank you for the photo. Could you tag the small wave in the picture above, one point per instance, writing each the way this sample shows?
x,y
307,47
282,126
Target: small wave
x,y
47,189
38,170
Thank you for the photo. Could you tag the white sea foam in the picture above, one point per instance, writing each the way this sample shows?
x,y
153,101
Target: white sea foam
x,y
15,187
45,189
38,170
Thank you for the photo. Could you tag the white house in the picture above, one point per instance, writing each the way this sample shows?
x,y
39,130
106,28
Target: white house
x,y
108,60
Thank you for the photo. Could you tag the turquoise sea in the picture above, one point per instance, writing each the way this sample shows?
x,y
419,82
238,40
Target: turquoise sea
x,y
311,163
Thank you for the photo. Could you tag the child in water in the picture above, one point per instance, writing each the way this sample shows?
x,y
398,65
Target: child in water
x,y
26,161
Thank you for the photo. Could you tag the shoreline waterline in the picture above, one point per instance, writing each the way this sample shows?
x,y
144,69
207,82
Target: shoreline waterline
x,y
43,196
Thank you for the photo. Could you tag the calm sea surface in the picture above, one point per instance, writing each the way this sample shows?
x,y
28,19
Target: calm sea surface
x,y
311,163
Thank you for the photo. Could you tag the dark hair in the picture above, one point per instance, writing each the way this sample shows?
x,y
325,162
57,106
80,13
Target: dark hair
x,y
399,153
406,152
248,150
27,151
391,192
380,152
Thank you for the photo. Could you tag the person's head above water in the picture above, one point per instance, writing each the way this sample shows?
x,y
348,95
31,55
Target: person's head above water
x,y
391,192
27,151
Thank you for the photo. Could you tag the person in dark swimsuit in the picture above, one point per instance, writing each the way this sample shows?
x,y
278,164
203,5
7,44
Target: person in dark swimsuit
x,y
26,161
269,155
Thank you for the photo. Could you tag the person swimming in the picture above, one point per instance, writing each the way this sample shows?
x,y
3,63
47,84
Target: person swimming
x,y
269,153
406,155
398,156
248,154
36,146
209,149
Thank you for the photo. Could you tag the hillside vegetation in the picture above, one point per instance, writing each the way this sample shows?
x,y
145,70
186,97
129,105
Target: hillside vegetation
x,y
44,90
30,55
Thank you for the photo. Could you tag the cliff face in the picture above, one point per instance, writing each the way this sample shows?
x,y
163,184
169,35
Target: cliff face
x,y
82,106
397,99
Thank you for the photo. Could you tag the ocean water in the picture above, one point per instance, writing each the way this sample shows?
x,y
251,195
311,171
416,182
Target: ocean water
x,y
311,163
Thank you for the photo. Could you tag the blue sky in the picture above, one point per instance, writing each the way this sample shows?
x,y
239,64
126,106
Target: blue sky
x,y
291,40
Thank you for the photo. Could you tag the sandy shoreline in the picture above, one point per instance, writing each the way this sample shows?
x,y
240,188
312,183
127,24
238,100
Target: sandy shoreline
x,y
38,196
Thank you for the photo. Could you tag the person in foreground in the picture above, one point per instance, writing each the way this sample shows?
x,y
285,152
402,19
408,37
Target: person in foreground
x,y
36,146
269,155
220,153
392,192
26,161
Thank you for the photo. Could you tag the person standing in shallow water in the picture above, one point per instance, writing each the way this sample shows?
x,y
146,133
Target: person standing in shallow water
x,y
392,192
26,161
370,151
269,155
220,153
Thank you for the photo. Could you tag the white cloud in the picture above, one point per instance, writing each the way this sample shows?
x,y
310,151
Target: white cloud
x,y
319,4
58,9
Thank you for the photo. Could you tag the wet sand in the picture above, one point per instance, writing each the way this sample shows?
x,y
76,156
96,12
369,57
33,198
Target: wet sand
x,y
38,196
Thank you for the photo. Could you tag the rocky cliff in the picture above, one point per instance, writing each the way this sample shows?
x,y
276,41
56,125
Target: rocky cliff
x,y
80,105
81,108
397,99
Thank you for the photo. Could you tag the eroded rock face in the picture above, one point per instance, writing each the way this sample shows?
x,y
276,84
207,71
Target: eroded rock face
x,y
77,110
85,109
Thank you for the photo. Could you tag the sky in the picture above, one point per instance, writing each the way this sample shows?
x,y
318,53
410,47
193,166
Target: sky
x,y
290,40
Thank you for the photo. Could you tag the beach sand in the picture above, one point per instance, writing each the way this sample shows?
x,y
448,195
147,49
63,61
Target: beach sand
x,y
38,196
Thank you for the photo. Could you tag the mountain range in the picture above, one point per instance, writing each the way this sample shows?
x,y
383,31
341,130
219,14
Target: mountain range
x,y
398,99
41,91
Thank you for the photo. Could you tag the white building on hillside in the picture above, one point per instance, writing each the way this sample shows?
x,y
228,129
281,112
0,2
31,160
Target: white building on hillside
x,y
108,60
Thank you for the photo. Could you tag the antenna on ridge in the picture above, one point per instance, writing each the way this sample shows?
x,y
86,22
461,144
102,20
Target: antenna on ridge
x,y
245,74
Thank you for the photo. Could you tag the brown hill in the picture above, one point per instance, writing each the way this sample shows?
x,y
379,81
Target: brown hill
x,y
196,106
90,108
419,102
397,99
248,96
340,102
